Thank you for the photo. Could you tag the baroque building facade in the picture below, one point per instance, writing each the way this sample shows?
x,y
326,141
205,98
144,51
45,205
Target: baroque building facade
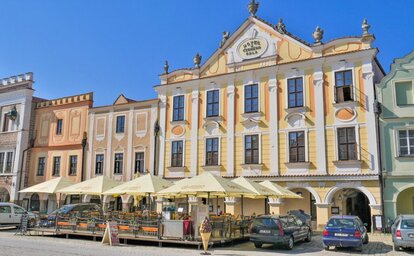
x,y
270,106
122,142
16,96
396,98
60,133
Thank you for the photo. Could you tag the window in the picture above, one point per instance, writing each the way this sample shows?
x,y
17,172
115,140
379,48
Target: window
x,y
56,166
2,154
99,161
5,209
347,144
343,86
9,162
295,92
73,165
296,147
251,149
5,123
119,162
213,103
139,162
404,93
212,151
251,98
406,142
120,124
178,108
41,166
18,210
59,125
177,154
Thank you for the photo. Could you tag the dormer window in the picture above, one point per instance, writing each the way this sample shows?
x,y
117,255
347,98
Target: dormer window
x,y
251,98
178,108
343,86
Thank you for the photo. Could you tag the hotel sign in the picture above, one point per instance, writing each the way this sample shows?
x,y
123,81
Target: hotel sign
x,y
252,48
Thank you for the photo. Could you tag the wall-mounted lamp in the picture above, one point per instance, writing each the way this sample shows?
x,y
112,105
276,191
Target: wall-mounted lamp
x,y
12,114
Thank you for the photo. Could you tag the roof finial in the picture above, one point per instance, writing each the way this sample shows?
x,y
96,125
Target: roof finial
x,y
281,28
252,7
226,36
166,66
365,27
197,60
317,35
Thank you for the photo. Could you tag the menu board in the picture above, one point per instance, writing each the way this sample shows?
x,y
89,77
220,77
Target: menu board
x,y
111,234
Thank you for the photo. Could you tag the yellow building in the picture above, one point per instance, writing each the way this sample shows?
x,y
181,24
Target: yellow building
x,y
270,106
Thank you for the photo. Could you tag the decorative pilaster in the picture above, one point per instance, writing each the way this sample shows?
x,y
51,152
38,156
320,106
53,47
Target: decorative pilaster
x,y
274,135
320,120
276,206
230,128
194,132
90,146
129,156
322,211
109,152
161,155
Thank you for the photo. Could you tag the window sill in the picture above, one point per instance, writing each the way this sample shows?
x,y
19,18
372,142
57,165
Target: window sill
x,y
348,163
176,168
181,122
302,110
213,118
350,104
252,114
6,174
297,165
405,157
252,165
211,167
118,174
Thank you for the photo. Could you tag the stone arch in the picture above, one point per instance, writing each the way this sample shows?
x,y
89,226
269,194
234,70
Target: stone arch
x,y
4,194
364,190
310,189
401,189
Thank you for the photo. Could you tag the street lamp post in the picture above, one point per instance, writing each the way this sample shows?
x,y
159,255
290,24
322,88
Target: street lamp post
x,y
84,141
156,132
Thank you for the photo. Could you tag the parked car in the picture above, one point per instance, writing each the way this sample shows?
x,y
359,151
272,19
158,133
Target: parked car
x,y
11,214
403,232
278,230
304,217
78,210
345,231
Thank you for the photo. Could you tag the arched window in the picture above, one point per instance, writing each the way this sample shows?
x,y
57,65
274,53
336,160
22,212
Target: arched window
x,y
34,202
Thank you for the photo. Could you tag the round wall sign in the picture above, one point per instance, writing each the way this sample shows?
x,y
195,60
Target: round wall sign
x,y
252,48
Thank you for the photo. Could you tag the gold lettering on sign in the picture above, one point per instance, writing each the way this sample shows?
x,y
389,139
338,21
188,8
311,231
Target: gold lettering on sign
x,y
252,48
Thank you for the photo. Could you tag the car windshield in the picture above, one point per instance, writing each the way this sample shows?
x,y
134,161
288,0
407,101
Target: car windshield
x,y
265,223
63,210
341,223
407,224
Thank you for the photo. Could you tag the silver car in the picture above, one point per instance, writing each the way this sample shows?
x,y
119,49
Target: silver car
x,y
11,214
403,232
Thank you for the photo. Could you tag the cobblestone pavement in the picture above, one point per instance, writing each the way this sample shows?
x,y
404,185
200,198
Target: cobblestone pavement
x,y
11,245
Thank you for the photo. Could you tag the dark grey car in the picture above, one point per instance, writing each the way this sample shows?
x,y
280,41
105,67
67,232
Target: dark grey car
x,y
279,230
403,232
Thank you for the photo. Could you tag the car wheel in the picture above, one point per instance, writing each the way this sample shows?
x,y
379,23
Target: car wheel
x,y
258,245
289,245
397,248
308,237
366,239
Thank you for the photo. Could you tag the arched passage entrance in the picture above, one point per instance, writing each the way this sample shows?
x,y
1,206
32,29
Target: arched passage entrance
x,y
405,201
351,201
4,195
34,202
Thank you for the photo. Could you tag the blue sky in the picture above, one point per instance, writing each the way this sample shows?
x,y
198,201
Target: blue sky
x,y
113,47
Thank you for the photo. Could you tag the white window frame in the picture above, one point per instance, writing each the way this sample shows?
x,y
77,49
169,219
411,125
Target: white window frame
x,y
357,140
219,102
260,146
37,165
172,107
116,123
394,91
135,158
259,98
103,163
171,150
291,75
306,131
123,163
205,149
2,172
397,140
343,66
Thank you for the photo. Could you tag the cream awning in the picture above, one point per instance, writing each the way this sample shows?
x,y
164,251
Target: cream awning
x,y
280,191
258,191
49,187
95,186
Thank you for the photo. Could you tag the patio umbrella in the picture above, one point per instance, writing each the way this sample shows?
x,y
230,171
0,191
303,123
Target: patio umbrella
x,y
49,187
95,186
142,186
257,190
280,191
206,185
